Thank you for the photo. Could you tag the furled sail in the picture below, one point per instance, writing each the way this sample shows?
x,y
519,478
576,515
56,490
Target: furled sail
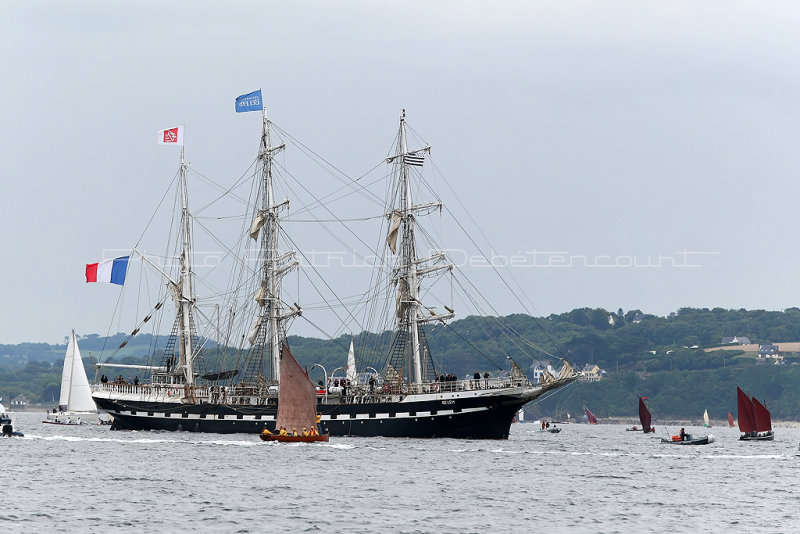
x,y
516,372
261,295
546,377
258,222
297,398
253,335
644,415
566,371
763,419
391,239
747,413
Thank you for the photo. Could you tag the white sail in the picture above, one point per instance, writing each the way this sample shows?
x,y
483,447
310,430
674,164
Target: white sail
x,y
351,364
76,394
705,417
66,373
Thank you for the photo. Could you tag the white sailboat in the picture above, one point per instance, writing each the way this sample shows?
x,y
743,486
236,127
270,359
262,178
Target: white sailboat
x,y
75,404
351,365
706,423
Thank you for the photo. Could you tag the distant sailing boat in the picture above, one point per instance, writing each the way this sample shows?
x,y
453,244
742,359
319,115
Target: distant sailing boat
x,y
754,419
590,416
730,420
350,372
75,400
705,419
297,404
644,417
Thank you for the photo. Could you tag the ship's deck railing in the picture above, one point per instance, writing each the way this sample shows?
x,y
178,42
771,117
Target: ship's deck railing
x,y
153,389
387,388
259,394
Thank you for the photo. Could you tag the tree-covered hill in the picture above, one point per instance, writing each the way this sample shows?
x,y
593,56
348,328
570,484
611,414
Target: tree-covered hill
x,y
662,357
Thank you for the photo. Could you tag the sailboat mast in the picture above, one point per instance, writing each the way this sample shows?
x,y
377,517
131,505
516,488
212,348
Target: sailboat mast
x,y
269,244
273,266
185,289
408,257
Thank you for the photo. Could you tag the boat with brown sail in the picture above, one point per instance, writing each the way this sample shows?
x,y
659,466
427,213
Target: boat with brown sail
x,y
645,418
590,416
755,421
297,405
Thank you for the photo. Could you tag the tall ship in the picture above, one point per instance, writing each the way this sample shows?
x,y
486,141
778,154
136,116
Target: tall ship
x,y
228,379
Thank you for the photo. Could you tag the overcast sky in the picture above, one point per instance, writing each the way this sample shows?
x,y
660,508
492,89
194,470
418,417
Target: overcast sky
x,y
596,133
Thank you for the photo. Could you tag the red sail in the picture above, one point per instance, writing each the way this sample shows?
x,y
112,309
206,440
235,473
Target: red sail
x,y
747,412
297,396
730,420
590,416
644,415
763,419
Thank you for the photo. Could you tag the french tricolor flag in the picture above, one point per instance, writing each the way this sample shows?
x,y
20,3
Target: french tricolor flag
x,y
109,271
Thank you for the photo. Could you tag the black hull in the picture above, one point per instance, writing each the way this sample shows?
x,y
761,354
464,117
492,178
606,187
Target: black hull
x,y
760,437
472,417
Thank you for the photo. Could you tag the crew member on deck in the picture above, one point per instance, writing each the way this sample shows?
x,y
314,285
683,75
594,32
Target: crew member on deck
x,y
683,434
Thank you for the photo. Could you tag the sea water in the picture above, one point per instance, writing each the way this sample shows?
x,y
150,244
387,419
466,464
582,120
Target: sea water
x,y
594,479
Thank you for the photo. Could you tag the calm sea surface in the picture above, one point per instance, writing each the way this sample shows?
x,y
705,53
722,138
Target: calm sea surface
x,y
585,479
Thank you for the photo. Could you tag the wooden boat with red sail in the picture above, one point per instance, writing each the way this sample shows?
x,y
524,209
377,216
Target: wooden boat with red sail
x,y
730,420
297,405
644,418
590,416
755,421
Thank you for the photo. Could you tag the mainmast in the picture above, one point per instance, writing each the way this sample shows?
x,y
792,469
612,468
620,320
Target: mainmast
x,y
183,293
268,332
409,269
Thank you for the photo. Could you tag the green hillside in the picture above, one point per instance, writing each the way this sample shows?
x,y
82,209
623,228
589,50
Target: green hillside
x,y
661,357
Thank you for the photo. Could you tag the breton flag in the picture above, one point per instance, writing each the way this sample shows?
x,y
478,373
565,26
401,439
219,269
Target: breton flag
x,y
414,159
249,102
109,271
171,136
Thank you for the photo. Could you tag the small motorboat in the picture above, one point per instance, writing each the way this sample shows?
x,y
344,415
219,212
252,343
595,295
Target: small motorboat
x,y
554,430
689,440
9,432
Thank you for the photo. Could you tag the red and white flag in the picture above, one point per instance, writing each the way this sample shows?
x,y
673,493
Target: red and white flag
x,y
171,136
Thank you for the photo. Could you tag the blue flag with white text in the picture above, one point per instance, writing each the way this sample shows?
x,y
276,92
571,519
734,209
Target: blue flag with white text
x,y
249,102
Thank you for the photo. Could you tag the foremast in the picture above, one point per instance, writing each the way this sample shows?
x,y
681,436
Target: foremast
x,y
267,334
408,269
